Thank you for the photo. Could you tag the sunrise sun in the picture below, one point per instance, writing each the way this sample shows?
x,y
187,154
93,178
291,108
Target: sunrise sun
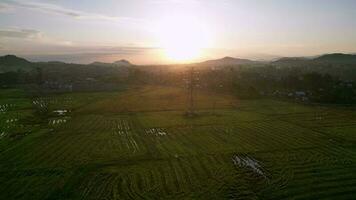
x,y
182,38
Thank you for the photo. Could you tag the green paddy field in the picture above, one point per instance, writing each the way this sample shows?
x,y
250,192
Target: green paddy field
x,y
138,144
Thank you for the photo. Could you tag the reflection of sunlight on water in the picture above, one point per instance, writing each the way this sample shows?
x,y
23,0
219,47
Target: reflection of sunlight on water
x,y
156,131
12,120
245,161
57,121
62,119
5,107
122,129
61,112
8,125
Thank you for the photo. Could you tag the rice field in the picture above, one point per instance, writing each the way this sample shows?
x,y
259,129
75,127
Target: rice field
x,y
138,144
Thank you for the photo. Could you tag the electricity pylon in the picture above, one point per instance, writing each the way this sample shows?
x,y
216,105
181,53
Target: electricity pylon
x,y
192,82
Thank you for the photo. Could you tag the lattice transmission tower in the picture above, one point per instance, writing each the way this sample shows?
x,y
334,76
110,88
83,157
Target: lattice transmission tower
x,y
192,82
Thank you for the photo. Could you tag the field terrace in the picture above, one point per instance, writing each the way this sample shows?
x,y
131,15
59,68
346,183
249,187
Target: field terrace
x,y
138,144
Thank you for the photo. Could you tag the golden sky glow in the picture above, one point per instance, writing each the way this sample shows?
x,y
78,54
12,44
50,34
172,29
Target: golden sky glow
x,y
174,31
183,38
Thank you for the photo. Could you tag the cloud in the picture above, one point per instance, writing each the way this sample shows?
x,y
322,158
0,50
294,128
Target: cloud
x,y
88,54
59,10
98,50
179,2
127,49
4,7
20,33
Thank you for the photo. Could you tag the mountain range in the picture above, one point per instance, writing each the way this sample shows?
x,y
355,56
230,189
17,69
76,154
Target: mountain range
x,y
226,61
13,63
337,58
118,63
331,58
10,63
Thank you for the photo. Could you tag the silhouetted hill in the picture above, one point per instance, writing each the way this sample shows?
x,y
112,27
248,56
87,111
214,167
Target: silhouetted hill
x,y
337,58
122,63
10,63
103,64
119,63
226,61
291,61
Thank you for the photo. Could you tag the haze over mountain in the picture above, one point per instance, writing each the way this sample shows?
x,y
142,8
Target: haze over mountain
x,y
177,99
226,61
334,58
13,63
118,63
337,58
158,31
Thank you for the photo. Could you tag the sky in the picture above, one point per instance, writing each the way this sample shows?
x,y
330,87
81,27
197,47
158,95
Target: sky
x,y
173,31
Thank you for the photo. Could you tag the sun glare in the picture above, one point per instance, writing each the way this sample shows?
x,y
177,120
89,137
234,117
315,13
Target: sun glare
x,y
183,38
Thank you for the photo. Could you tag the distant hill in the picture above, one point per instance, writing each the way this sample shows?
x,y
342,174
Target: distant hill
x,y
226,61
122,63
119,63
102,64
291,61
11,63
337,58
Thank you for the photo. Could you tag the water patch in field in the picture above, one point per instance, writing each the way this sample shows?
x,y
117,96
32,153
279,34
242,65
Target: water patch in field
x,y
56,122
156,131
40,103
5,107
248,162
61,112
9,125
134,144
52,100
2,134
228,130
122,127
10,121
